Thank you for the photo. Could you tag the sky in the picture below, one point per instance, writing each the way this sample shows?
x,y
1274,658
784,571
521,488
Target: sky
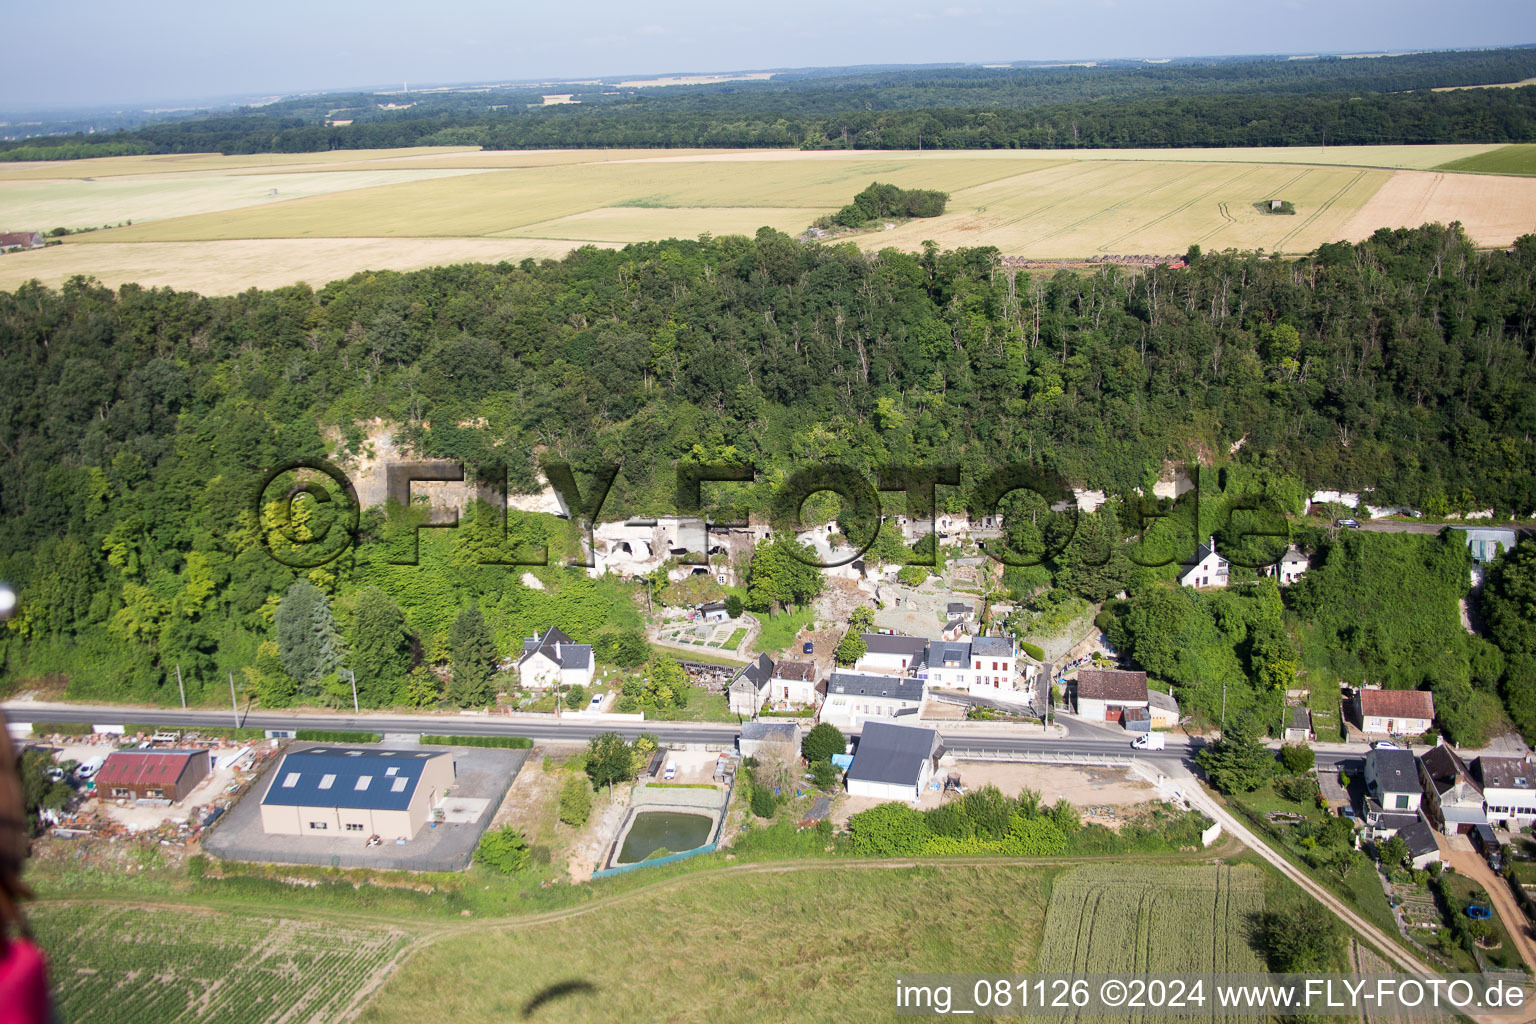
x,y
99,53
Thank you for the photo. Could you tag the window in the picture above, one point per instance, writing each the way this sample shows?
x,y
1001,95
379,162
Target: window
x,y
154,793
1402,802
994,666
353,826
121,792
327,782
317,826
978,666
390,770
399,786
290,780
362,782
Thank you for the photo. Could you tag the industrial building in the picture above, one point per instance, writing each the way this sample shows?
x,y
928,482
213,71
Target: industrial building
x,y
340,791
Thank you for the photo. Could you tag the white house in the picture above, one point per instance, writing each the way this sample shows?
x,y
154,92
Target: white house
x,y
1207,570
1104,695
792,682
1348,499
1391,784
757,735
893,653
713,611
986,666
749,689
1394,712
554,659
1508,792
1290,567
893,762
854,697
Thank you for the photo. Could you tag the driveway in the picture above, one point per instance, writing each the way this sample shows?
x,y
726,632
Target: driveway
x,y
1477,869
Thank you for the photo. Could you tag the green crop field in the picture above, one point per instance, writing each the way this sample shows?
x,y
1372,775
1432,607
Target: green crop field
x,y
137,966
214,224
1504,160
1125,919
772,946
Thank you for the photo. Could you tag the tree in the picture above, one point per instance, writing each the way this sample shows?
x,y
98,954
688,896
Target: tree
x,y
504,850
575,696
1393,852
763,802
823,774
851,648
911,575
1297,758
782,573
1301,936
609,760
308,643
734,606
381,647
474,655
575,801
1238,762
823,742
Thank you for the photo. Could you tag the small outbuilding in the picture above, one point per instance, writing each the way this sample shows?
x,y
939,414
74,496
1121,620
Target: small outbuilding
x,y
151,774
1104,695
1299,728
757,735
894,762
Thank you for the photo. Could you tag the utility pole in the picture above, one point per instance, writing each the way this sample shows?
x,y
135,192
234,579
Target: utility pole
x,y
234,704
355,709
182,688
1223,710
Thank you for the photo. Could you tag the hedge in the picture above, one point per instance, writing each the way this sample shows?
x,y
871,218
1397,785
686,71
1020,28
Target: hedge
x,y
681,785
329,736
507,742
1031,650
61,729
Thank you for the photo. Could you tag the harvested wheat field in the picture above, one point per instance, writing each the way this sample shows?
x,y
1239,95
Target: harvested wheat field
x,y
220,224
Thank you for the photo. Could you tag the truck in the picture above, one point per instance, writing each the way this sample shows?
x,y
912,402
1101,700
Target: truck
x,y
1149,741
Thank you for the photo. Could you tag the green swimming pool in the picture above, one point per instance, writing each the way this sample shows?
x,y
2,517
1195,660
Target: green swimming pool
x,y
673,831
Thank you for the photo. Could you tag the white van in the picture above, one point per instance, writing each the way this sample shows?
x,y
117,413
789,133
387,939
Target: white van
x,y
1149,741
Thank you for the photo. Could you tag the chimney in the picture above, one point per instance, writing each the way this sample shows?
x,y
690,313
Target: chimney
x,y
1212,544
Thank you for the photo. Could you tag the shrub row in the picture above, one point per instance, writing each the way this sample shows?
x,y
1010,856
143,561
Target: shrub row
x,y
506,742
1032,650
60,729
337,736
224,733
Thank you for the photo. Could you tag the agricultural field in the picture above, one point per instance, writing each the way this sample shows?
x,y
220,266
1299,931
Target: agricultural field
x,y
134,965
1504,160
1122,919
775,945
221,224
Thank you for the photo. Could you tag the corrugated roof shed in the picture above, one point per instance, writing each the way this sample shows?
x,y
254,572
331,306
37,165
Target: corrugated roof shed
x,y
143,767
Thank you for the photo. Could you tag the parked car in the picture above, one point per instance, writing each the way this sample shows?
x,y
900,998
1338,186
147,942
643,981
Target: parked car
x,y
1385,745
595,703
809,648
1350,524
1347,812
669,772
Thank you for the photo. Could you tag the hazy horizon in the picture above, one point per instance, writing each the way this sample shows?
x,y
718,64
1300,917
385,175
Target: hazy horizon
x,y
193,54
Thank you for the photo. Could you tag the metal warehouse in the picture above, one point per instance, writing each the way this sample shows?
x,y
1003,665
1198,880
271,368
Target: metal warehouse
x,y
151,774
340,791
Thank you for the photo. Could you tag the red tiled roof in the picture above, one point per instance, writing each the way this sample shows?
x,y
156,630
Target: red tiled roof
x,y
1107,684
140,768
1397,704
19,237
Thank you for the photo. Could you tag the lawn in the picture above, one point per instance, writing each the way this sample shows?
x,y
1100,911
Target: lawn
x,y
734,640
697,653
820,945
205,966
780,631
1460,891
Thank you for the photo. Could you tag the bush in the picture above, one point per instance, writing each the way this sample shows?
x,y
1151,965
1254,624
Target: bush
x,y
823,774
1297,758
1030,649
822,742
575,697
763,802
889,830
575,801
337,736
504,849
734,606
911,575
61,729
502,742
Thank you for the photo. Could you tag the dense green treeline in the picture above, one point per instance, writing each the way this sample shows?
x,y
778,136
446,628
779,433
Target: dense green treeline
x,y
137,424
1238,102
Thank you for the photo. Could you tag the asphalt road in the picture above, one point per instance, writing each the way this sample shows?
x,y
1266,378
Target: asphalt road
x,y
1081,740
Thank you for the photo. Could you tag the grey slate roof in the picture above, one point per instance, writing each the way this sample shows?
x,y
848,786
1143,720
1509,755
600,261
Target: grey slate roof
x,y
1159,699
300,779
1445,769
769,732
992,647
1419,838
757,673
869,685
950,653
1505,772
558,648
957,608
892,754
1395,771
1386,821
1301,719
895,643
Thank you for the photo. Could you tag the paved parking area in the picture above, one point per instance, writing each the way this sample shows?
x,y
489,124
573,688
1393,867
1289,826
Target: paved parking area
x,y
482,777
